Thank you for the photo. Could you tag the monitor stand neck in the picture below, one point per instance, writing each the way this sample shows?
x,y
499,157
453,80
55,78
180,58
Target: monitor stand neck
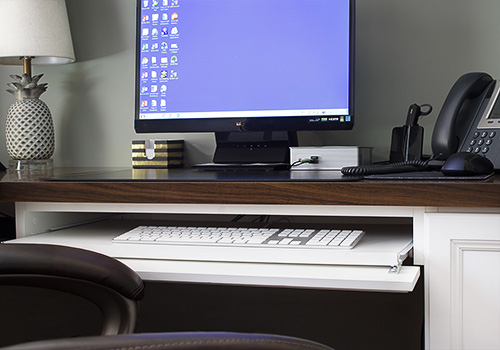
x,y
246,148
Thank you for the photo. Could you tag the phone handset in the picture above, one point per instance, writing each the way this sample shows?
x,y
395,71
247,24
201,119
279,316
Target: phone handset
x,y
458,112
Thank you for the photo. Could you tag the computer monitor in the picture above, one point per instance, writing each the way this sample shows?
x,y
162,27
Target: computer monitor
x,y
254,72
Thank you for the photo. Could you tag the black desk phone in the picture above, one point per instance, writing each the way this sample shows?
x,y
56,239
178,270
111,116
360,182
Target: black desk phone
x,y
469,122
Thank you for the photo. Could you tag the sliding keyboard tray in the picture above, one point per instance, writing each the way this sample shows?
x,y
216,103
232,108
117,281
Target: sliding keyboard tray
x,y
373,264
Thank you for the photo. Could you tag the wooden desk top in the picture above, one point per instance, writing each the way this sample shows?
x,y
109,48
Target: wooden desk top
x,y
18,187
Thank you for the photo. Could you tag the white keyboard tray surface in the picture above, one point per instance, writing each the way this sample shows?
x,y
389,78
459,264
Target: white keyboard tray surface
x,y
365,267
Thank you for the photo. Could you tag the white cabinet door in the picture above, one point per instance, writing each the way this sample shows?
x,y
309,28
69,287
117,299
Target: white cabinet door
x,y
463,281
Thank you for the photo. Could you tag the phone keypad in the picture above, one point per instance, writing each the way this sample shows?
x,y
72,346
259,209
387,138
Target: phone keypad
x,y
481,141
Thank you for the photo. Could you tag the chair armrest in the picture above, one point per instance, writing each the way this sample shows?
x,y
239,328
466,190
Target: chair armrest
x,y
177,341
61,261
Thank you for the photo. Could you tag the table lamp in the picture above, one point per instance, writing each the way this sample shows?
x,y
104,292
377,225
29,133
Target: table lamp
x,y
32,32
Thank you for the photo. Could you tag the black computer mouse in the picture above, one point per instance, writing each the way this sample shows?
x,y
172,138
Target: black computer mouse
x,y
467,164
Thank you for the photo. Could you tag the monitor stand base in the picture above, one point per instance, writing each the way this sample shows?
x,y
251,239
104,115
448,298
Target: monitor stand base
x,y
254,149
242,167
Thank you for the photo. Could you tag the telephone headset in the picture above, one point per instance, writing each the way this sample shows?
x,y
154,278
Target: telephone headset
x,y
467,131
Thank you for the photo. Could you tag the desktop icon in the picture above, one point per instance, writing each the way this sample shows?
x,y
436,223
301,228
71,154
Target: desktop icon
x,y
164,17
174,46
164,60
145,18
155,17
174,16
144,103
145,60
164,74
156,2
164,46
145,3
163,88
174,31
154,32
154,75
145,31
164,31
144,75
173,59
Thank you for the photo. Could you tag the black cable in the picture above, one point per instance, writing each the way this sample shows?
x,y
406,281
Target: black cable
x,y
299,162
7,216
237,218
310,160
386,168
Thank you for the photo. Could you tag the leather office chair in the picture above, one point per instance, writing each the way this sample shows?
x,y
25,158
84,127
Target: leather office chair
x,y
115,289
176,341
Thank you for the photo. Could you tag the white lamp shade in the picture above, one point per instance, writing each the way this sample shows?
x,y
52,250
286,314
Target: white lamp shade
x,y
35,28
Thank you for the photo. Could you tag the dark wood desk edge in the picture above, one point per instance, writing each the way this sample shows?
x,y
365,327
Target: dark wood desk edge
x,y
364,193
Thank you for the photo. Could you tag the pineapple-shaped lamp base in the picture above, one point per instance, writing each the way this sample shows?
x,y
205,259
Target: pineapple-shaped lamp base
x,y
30,129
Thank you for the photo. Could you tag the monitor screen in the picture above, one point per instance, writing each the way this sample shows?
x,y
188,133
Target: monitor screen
x,y
244,65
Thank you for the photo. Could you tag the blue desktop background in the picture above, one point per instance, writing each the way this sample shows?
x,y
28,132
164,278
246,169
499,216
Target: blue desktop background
x,y
244,55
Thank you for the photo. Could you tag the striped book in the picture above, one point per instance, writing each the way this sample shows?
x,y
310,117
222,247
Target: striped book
x,y
157,154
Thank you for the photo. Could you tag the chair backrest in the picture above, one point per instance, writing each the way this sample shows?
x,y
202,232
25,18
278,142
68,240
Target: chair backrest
x,y
177,341
112,286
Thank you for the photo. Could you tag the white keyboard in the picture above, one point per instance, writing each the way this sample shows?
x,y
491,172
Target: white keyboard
x,y
242,237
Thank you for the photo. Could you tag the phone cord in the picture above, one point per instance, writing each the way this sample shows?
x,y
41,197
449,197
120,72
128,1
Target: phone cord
x,y
386,168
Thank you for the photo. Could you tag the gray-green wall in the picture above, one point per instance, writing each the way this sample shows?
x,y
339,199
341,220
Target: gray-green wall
x,y
408,52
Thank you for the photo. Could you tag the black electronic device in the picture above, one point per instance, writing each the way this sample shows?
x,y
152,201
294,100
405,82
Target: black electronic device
x,y
246,71
469,121
465,103
407,140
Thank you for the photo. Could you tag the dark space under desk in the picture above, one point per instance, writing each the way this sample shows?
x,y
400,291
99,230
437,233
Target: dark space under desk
x,y
446,219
